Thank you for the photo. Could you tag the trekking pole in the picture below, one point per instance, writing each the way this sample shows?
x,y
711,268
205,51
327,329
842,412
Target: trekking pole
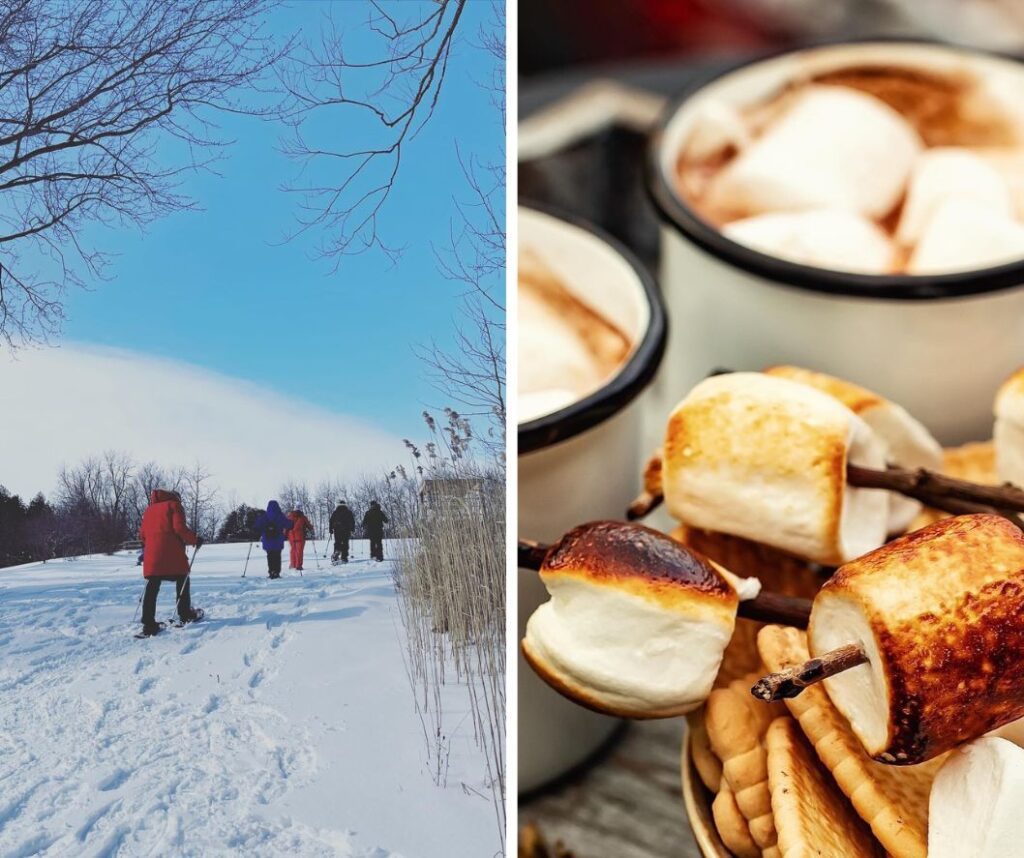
x,y
138,605
316,555
185,583
247,556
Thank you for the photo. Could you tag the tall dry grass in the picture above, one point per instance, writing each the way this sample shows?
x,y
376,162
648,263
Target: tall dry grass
x,y
450,575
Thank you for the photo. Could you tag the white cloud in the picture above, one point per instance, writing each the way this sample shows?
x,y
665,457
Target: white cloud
x,y
61,405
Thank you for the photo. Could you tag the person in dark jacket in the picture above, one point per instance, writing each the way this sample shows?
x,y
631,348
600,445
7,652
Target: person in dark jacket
x,y
373,528
272,526
164,536
342,524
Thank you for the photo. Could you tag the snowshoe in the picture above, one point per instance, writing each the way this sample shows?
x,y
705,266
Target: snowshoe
x,y
197,615
151,630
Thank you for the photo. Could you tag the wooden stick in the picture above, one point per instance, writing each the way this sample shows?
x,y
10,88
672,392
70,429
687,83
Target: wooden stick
x,y
532,554
959,497
765,607
789,683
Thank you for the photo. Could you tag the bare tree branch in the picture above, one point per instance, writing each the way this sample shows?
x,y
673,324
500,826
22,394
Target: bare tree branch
x,y
88,91
396,90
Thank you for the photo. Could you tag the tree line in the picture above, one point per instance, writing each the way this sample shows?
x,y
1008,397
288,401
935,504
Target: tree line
x,y
97,507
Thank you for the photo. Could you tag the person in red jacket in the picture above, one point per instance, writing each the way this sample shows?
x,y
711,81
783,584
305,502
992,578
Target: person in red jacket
x,y
164,536
300,529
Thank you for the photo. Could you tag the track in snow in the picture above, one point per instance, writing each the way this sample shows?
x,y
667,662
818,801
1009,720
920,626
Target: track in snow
x,y
282,724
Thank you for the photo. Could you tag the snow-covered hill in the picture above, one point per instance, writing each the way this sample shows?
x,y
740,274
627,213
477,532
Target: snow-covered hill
x,y
282,725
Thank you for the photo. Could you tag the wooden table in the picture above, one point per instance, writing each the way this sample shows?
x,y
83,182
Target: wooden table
x,y
627,804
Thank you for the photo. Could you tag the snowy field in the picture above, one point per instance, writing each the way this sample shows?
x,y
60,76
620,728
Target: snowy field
x,y
281,725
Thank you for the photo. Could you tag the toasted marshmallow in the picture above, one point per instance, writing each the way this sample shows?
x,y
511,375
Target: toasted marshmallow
x,y
963,235
636,625
938,615
947,173
834,147
974,810
825,238
1009,430
908,443
718,127
765,458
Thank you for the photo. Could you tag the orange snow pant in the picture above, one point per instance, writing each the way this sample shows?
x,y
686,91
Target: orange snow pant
x,y
297,548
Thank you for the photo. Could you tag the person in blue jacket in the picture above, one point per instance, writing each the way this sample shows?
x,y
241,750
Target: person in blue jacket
x,y
272,526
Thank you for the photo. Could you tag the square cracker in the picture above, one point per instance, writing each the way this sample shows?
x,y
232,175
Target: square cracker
x,y
812,817
893,800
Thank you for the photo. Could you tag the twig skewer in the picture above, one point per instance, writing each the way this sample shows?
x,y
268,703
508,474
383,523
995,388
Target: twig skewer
x,y
949,494
764,608
789,683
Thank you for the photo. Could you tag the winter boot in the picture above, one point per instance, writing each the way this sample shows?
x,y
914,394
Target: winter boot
x,y
150,629
194,616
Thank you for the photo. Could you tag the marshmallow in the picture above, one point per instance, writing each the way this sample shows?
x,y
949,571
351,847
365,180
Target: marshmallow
x,y
765,458
834,147
965,236
908,443
974,810
1008,434
1009,164
825,238
946,173
938,614
718,127
636,625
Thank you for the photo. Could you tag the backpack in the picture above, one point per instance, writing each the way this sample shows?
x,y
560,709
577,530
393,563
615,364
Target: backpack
x,y
272,530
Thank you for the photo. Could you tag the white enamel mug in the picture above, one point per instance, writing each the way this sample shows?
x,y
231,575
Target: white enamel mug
x,y
938,345
580,463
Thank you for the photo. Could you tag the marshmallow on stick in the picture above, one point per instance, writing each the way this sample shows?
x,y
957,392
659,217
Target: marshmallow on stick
x,y
937,615
826,238
908,443
1009,429
974,810
637,623
765,458
833,147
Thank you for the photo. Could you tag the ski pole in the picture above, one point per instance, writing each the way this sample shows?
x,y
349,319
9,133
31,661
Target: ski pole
x,y
247,556
316,554
187,576
138,605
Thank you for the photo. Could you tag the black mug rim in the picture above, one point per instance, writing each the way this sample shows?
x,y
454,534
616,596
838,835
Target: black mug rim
x,y
822,281
633,376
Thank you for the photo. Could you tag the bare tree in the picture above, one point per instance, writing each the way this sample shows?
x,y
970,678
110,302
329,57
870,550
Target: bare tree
x,y
199,498
96,496
471,372
91,92
391,95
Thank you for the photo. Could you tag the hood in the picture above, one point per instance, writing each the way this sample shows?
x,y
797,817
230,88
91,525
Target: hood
x,y
274,508
162,496
296,514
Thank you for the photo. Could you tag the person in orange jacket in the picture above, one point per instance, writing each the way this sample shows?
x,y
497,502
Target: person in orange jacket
x,y
164,535
300,529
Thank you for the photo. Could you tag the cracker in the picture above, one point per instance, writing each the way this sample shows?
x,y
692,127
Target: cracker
x,y
731,825
975,462
708,766
736,724
892,800
812,816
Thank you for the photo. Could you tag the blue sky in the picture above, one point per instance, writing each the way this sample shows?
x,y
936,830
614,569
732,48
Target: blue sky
x,y
216,287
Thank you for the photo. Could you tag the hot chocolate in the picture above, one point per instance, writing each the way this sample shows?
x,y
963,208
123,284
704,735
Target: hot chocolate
x,y
567,350
871,168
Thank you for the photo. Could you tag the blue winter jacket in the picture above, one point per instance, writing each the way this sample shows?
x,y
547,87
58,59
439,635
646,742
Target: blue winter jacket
x,y
274,519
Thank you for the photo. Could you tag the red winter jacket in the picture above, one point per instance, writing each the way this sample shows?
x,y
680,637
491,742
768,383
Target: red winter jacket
x,y
300,527
164,536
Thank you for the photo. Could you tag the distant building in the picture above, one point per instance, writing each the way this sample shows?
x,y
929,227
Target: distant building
x,y
452,494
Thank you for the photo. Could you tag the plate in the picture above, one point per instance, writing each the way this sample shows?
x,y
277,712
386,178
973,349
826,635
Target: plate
x,y
697,799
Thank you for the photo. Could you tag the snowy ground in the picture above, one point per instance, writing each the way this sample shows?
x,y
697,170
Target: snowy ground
x,y
280,725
